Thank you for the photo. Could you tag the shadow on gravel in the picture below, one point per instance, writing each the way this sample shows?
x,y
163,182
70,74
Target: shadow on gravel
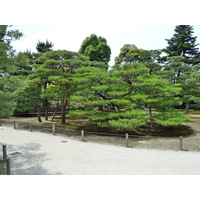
x,y
26,161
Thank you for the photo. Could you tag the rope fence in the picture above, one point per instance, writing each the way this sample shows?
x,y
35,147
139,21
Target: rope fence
x,y
82,134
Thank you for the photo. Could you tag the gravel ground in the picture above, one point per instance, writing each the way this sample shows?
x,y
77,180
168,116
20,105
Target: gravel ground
x,y
36,153
190,143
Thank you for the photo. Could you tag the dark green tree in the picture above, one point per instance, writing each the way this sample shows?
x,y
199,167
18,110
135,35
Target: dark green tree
x,y
6,67
28,97
96,48
183,43
43,47
182,54
57,67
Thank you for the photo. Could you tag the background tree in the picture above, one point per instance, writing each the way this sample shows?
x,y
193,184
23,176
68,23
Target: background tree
x,y
153,61
96,48
27,98
190,83
175,68
183,43
43,47
6,66
129,53
181,57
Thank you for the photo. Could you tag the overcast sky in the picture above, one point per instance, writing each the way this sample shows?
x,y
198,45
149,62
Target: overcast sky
x,y
144,23
70,37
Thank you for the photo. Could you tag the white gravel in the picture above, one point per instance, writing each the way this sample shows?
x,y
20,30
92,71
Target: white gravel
x,y
35,153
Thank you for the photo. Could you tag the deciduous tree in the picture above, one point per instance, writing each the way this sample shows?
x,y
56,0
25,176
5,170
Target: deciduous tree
x,y
96,48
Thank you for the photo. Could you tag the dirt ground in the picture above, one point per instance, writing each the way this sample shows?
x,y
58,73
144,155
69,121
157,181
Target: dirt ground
x,y
36,153
1,167
189,143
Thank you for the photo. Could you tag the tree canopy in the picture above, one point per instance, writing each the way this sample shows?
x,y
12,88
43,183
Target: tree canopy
x,y
6,68
143,88
43,47
183,43
96,48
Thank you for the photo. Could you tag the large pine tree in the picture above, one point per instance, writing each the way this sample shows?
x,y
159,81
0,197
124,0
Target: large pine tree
x,y
182,57
183,43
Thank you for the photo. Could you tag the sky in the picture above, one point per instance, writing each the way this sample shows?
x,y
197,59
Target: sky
x,y
67,23
71,37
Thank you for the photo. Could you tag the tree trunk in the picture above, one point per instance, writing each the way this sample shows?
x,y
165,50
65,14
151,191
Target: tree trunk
x,y
45,104
151,119
46,108
55,112
187,106
64,111
38,114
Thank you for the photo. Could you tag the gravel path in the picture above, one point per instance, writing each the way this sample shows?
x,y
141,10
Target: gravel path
x,y
35,153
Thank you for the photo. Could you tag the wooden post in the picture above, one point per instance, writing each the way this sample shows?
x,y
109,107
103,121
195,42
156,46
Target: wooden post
x,y
31,127
53,129
82,135
181,143
4,152
8,166
95,127
15,125
127,139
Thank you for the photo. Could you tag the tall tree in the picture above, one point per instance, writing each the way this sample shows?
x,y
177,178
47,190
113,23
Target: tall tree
x,y
182,56
183,43
43,47
6,66
190,83
96,48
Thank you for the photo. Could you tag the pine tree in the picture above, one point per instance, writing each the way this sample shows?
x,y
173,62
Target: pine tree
x,y
158,96
190,83
107,93
6,67
126,97
57,67
183,43
182,56
43,47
